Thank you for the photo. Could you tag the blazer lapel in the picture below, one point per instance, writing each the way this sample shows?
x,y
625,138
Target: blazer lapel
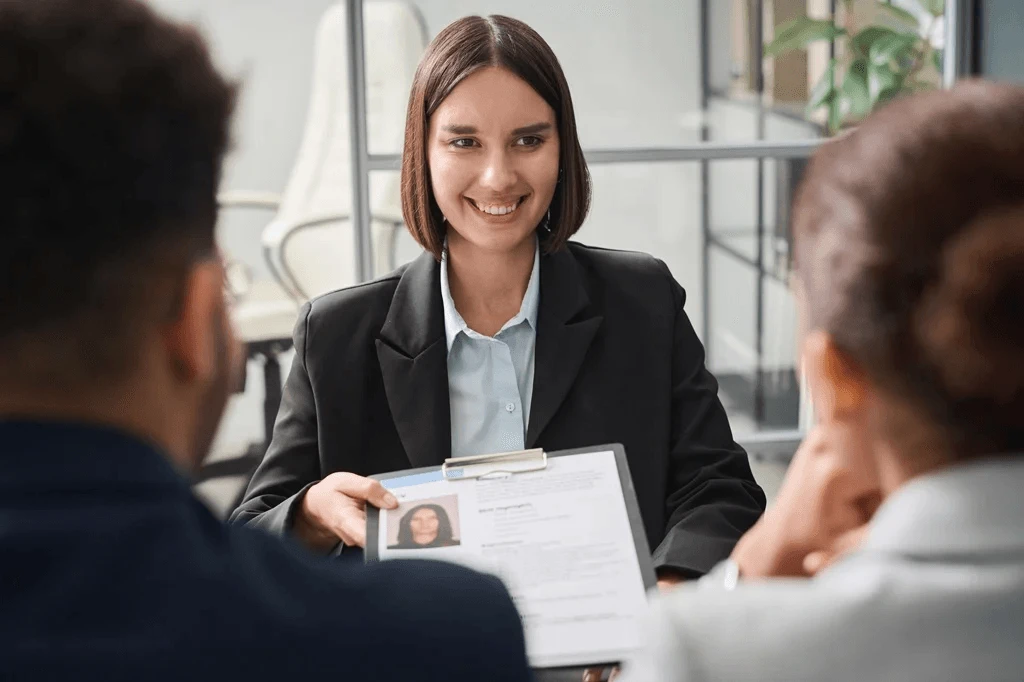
x,y
565,329
413,357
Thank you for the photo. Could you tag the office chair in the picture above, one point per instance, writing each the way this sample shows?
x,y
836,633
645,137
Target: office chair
x,y
308,246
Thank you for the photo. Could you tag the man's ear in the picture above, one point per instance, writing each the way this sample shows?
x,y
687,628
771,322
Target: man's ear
x,y
191,337
837,384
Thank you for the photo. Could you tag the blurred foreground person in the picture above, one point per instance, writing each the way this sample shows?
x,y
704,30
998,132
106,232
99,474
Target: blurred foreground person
x,y
895,550
115,365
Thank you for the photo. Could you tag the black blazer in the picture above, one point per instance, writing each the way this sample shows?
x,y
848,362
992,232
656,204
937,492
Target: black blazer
x,y
617,361
110,569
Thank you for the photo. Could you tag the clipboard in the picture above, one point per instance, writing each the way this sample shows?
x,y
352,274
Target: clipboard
x,y
508,465
511,463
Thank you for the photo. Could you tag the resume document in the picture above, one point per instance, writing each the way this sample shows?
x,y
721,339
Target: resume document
x,y
560,538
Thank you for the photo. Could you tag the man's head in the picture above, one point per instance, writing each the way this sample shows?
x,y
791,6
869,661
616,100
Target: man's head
x,y
113,127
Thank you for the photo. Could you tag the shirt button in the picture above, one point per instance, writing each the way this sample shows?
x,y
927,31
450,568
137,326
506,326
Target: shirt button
x,y
511,407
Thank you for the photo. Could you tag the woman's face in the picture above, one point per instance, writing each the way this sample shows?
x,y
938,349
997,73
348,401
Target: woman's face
x,y
493,151
424,526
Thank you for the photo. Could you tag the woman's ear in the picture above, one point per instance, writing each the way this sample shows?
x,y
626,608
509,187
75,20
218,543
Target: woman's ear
x,y
836,384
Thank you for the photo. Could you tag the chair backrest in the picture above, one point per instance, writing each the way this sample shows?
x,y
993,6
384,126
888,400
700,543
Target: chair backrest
x,y
311,241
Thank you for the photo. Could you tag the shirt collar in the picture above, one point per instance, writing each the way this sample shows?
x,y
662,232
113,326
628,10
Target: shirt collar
x,y
46,455
962,509
454,324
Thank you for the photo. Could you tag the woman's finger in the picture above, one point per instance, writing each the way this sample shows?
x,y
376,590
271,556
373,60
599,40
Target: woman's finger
x,y
815,561
352,524
362,488
377,495
846,543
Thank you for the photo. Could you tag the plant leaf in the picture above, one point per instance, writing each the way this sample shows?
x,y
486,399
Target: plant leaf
x,y
939,61
881,78
864,38
835,112
935,7
800,32
919,86
824,89
855,88
901,15
887,48
887,95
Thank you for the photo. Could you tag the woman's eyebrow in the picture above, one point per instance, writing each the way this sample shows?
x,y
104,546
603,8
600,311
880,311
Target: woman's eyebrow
x,y
459,129
532,129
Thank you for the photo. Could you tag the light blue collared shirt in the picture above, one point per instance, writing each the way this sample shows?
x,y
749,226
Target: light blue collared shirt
x,y
490,379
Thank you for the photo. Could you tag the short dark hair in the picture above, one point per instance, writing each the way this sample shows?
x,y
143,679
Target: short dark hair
x,y
463,47
910,248
113,127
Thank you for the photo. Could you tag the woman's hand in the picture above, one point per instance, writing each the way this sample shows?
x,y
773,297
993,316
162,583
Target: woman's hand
x,y
335,509
822,511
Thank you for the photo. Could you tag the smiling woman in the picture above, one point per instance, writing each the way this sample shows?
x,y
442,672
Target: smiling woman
x,y
504,334
492,133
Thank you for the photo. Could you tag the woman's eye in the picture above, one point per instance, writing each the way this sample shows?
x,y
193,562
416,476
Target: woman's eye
x,y
462,143
529,141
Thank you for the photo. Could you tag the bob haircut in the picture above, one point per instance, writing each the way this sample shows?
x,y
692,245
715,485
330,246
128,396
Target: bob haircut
x,y
463,47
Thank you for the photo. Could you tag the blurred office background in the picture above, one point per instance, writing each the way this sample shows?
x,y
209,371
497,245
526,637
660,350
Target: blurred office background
x,y
696,141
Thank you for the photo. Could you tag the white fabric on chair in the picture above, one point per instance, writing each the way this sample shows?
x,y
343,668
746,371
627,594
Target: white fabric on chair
x,y
319,258
266,313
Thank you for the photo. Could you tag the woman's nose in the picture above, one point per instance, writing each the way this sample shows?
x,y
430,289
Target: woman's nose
x,y
499,173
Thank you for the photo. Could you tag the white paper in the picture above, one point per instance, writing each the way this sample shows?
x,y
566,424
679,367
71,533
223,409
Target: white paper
x,y
560,539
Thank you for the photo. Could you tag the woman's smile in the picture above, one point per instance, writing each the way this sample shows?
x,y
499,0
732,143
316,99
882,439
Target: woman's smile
x,y
499,211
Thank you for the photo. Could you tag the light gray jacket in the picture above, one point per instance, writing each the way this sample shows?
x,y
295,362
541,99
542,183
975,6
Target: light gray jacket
x,y
935,593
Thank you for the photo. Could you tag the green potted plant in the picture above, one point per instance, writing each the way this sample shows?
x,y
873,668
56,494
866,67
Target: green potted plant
x,y
874,63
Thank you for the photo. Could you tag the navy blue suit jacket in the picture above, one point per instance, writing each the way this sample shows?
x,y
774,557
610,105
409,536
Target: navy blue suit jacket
x,y
110,569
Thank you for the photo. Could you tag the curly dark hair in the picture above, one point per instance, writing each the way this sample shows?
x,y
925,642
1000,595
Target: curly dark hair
x,y
910,247
113,128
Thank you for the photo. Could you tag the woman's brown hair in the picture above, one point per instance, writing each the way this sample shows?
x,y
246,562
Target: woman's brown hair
x,y
463,47
910,249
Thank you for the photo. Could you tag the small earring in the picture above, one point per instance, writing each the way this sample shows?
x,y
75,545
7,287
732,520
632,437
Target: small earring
x,y
546,225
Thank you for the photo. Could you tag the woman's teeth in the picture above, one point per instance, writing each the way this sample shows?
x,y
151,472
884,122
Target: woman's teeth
x,y
498,210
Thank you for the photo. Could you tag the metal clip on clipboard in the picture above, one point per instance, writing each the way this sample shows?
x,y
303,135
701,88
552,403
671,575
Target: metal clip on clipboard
x,y
488,466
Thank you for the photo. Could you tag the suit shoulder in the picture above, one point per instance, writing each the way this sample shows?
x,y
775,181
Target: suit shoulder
x,y
358,298
424,604
632,273
276,611
695,632
619,263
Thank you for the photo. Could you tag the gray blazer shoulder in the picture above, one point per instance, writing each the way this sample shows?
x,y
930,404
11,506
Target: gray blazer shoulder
x,y
936,592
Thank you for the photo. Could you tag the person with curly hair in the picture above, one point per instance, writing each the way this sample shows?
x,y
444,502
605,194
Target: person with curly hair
x,y
895,548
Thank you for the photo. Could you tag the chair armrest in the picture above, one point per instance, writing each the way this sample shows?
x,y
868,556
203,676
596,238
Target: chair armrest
x,y
249,199
390,219
276,236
